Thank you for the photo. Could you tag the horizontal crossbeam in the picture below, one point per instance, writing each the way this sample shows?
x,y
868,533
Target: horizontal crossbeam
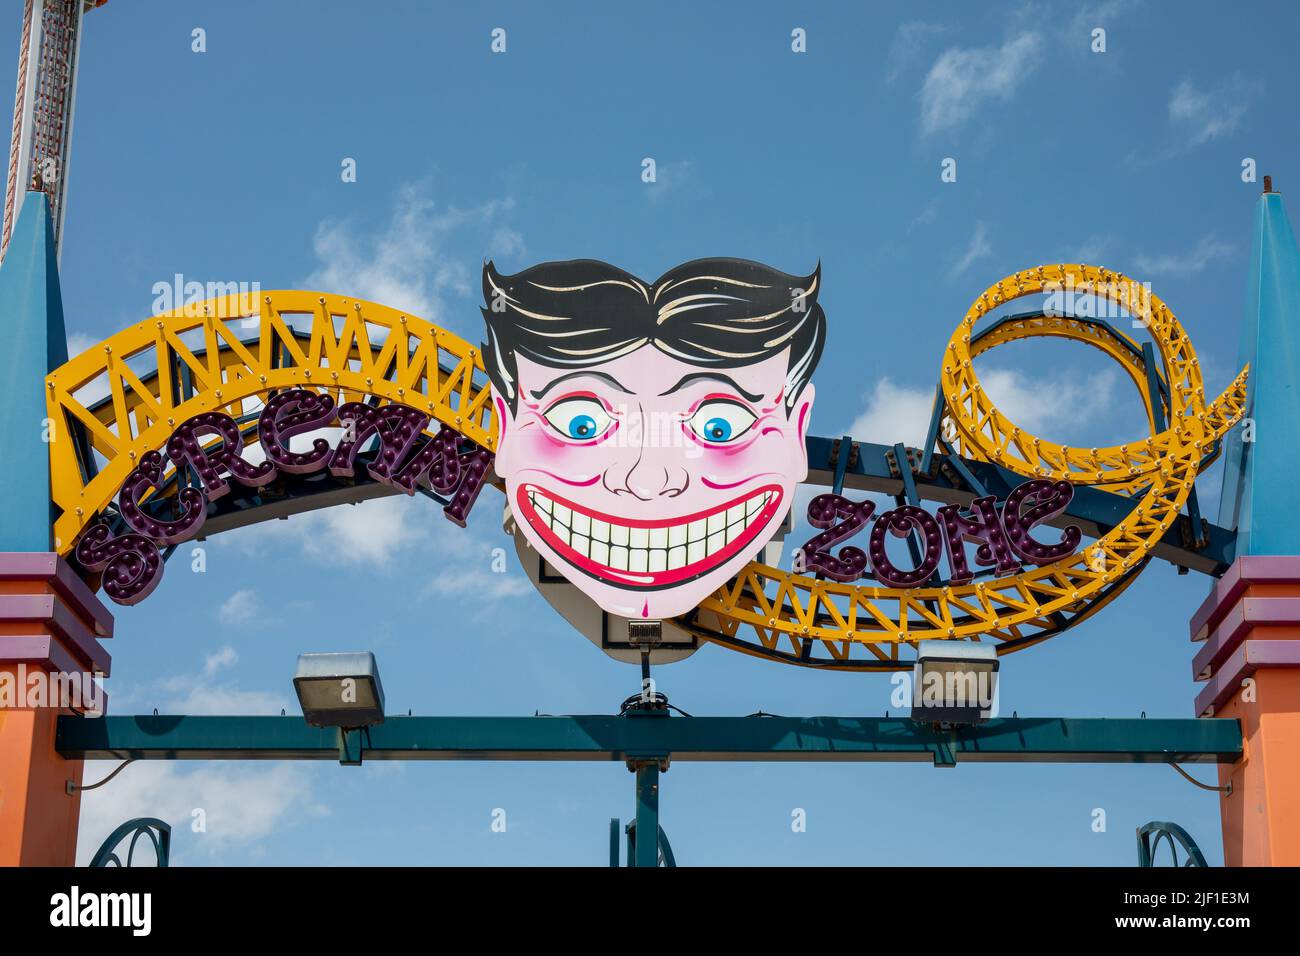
x,y
650,736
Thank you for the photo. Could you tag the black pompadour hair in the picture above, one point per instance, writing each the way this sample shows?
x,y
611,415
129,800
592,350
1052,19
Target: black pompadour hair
x,y
719,313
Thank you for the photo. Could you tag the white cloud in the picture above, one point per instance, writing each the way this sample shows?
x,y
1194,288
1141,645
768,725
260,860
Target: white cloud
x,y
371,533
458,580
199,692
963,80
191,696
1208,249
405,265
1093,250
507,242
78,342
670,178
926,216
241,607
1091,16
979,248
1045,406
908,43
895,412
226,657
241,804
1209,114
382,531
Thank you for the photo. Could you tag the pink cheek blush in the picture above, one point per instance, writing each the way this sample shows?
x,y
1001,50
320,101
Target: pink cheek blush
x,y
501,422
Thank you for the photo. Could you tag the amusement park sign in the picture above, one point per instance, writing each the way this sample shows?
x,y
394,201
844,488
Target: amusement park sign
x,y
649,437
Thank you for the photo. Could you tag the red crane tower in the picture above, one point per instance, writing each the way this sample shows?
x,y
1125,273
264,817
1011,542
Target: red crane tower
x,y
43,107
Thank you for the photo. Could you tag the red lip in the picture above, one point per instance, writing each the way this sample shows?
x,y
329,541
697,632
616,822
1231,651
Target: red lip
x,y
646,579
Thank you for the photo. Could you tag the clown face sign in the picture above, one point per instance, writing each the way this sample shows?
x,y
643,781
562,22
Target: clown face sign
x,y
651,433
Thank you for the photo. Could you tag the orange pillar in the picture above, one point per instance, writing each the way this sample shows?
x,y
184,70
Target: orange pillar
x,y
50,626
1249,627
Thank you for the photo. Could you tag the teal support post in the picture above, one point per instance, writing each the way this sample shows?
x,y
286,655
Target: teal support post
x,y
31,309
350,747
1258,497
647,814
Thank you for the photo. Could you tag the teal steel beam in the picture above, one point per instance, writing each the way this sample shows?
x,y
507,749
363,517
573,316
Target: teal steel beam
x,y
600,737
647,814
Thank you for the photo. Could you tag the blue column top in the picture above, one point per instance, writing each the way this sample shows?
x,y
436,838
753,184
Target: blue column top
x,y
1259,494
31,314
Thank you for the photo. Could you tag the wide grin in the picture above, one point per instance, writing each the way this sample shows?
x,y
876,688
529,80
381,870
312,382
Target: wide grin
x,y
647,554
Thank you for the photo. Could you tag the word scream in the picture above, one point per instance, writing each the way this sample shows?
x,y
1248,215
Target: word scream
x,y
404,459
1001,535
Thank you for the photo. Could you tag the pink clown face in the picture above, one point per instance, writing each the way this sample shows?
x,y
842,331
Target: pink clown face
x,y
648,481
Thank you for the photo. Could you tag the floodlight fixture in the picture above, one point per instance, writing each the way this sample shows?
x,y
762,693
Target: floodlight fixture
x,y
340,689
954,682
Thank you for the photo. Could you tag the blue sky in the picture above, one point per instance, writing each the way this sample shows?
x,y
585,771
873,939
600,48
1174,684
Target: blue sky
x,y
225,166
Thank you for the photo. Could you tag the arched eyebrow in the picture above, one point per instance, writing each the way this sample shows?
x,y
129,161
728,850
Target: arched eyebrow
x,y
714,377
609,380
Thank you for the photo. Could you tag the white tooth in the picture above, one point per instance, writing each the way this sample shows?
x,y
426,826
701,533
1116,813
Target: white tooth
x,y
735,514
561,532
695,532
599,530
716,542
658,537
676,535
581,523
618,558
658,560
676,558
580,543
600,552
695,551
639,560
618,534
716,522
563,514
543,504
640,537
754,504
733,531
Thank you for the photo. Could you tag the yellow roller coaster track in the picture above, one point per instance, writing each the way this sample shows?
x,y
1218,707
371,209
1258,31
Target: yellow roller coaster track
x,y
132,390
129,393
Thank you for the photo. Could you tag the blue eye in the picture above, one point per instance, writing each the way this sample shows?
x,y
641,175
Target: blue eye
x,y
717,429
719,422
582,426
578,419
